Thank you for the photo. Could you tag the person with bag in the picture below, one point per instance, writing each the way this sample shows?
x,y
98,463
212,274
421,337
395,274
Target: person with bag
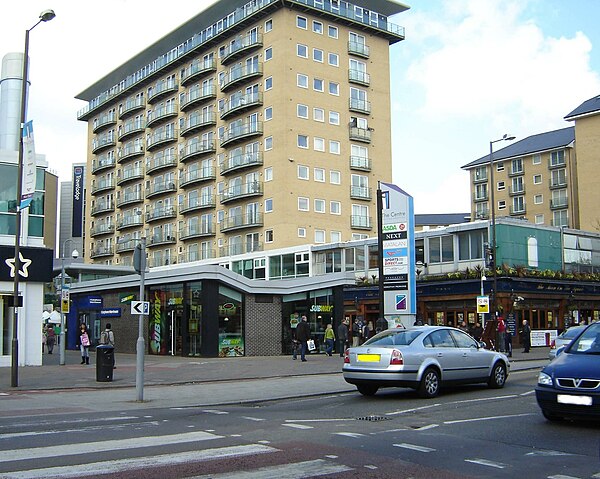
x,y
84,344
302,336
50,339
329,340
107,338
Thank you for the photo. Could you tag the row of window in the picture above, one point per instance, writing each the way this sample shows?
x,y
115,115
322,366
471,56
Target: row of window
x,y
557,159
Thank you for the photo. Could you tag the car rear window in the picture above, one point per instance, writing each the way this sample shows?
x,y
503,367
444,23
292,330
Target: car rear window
x,y
393,338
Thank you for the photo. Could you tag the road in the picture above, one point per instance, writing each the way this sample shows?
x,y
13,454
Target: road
x,y
465,432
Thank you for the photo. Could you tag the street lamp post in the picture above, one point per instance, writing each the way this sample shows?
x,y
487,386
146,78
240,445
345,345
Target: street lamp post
x,y
62,339
45,16
493,246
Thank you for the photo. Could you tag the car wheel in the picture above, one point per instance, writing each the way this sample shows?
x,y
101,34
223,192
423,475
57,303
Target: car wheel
x,y
550,416
430,384
367,390
498,376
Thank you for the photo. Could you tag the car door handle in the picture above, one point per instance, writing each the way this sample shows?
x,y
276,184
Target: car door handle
x,y
465,355
440,355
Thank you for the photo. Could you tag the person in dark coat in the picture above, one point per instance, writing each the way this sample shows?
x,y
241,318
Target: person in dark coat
x,y
302,336
342,335
477,331
526,336
380,325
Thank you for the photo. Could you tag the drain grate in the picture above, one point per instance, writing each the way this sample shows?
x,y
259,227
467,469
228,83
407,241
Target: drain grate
x,y
372,418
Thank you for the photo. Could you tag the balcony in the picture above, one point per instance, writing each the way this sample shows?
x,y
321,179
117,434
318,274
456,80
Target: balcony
x,y
360,106
196,121
160,188
103,141
129,198
161,113
98,251
161,213
360,134
516,191
516,172
103,207
130,221
193,177
360,193
359,77
194,150
195,204
197,231
127,245
130,151
245,190
129,174
165,258
198,69
559,203
482,215
237,133
191,256
159,138
131,106
104,120
556,163
241,248
240,75
131,128
238,162
102,185
161,89
518,210
160,161
102,229
360,222
558,183
480,177
197,96
103,162
360,163
161,239
241,46
241,104
358,49
480,196
241,221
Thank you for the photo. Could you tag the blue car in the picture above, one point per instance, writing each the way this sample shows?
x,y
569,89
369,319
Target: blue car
x,y
570,385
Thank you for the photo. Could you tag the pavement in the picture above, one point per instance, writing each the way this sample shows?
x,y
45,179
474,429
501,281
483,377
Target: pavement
x,y
175,381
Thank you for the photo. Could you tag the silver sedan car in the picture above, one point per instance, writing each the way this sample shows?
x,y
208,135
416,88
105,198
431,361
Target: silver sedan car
x,y
423,358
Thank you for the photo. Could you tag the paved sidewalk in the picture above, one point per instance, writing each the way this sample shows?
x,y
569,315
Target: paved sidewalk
x,y
181,382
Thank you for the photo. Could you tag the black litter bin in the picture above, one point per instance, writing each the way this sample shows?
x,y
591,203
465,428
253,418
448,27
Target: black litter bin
x,y
105,360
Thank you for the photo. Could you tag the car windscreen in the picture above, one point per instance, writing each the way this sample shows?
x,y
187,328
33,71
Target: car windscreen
x,y
571,332
393,338
588,342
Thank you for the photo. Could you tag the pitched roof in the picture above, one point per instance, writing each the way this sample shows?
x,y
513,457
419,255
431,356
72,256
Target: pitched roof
x,y
441,219
549,140
589,106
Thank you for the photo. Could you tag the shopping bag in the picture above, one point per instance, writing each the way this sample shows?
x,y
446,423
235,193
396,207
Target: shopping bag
x,y
311,345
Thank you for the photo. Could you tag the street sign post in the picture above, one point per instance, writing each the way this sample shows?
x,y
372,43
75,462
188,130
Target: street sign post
x,y
483,304
65,300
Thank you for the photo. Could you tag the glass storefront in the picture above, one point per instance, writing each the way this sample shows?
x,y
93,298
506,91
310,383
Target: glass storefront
x,y
231,330
165,321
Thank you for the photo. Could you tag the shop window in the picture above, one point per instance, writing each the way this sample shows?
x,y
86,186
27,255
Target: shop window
x,y
231,333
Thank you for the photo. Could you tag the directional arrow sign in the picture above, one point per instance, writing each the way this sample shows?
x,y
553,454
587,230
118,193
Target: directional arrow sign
x,y
140,307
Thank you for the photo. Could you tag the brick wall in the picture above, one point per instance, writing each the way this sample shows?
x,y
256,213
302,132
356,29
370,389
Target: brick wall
x,y
263,325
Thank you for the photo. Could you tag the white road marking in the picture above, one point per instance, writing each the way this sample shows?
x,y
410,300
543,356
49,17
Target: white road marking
x,y
349,434
370,466
214,411
100,446
82,429
562,476
489,418
298,470
485,462
149,462
493,398
298,426
549,453
320,420
405,411
528,393
425,428
414,447
249,418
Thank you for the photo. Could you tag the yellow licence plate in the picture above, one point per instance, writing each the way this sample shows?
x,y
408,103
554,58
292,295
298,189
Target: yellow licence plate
x,y
368,358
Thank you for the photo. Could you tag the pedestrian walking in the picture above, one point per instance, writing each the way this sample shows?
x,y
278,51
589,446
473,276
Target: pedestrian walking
x,y
501,329
526,336
356,327
107,338
44,331
302,336
477,331
84,344
342,334
463,326
329,339
50,339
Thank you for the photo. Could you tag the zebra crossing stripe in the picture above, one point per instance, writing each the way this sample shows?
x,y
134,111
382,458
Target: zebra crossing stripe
x,y
297,470
100,446
147,462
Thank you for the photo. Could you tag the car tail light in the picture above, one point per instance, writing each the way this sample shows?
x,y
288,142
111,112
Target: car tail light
x,y
347,356
396,357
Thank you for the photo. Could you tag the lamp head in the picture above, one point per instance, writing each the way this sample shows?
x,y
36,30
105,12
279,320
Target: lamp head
x,y
508,137
483,278
75,254
47,15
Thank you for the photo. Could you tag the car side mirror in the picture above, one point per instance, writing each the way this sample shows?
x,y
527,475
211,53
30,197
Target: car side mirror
x,y
481,345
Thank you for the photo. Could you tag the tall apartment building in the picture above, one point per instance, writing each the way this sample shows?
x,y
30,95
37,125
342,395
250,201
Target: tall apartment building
x,y
255,125
534,178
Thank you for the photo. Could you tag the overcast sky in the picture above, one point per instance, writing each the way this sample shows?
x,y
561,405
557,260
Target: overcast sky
x,y
468,72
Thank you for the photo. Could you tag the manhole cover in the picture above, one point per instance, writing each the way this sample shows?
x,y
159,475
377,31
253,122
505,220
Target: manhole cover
x,y
372,418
